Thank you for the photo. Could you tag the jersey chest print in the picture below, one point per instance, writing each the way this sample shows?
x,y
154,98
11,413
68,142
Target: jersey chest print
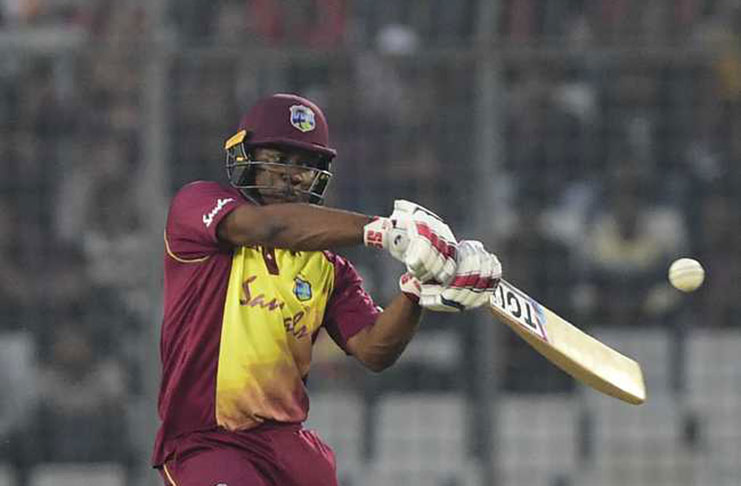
x,y
285,289
291,323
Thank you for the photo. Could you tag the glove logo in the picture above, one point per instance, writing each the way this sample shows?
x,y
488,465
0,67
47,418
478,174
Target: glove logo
x,y
302,118
302,289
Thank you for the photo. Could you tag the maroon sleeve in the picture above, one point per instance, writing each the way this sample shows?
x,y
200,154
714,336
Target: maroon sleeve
x,y
350,308
195,213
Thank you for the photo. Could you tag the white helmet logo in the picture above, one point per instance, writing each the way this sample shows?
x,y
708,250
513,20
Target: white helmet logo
x,y
302,118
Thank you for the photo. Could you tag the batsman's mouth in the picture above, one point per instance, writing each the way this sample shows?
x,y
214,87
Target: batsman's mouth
x,y
272,196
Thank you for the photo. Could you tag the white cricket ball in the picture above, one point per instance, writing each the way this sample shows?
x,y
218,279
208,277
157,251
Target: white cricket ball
x,y
686,274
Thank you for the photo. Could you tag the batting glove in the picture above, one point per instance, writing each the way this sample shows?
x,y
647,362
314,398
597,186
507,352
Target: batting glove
x,y
476,277
418,238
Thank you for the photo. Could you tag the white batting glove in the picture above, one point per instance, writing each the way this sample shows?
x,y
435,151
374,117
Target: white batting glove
x,y
476,277
418,238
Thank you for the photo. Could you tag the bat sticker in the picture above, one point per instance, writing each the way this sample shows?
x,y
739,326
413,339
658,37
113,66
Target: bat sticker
x,y
528,313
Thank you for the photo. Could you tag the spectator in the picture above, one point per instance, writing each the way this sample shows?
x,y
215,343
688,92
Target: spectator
x,y
114,242
81,413
548,129
70,288
632,119
628,246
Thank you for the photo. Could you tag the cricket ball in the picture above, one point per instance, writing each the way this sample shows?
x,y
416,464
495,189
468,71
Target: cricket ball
x,y
686,274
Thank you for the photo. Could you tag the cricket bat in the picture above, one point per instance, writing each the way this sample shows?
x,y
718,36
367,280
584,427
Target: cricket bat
x,y
577,353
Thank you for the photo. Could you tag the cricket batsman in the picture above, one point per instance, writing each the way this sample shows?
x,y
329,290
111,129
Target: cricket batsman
x,y
250,278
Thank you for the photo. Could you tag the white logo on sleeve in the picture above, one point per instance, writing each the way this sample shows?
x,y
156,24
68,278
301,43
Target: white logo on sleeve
x,y
220,203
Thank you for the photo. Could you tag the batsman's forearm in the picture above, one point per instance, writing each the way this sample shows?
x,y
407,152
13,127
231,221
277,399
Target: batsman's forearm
x,y
383,343
300,227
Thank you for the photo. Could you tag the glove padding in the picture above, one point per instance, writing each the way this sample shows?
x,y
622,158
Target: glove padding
x,y
418,238
476,277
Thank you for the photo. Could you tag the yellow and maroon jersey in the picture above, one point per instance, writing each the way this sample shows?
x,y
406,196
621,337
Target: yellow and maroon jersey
x,y
239,322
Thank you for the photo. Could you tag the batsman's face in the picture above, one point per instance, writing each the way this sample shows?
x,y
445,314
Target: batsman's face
x,y
284,175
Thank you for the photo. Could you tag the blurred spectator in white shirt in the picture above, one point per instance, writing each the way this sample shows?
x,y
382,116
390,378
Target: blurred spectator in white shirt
x,y
628,246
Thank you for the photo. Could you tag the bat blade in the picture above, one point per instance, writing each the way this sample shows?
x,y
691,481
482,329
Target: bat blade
x,y
571,349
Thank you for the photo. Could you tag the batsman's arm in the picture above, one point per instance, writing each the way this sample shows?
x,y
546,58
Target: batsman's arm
x,y
412,235
295,226
379,346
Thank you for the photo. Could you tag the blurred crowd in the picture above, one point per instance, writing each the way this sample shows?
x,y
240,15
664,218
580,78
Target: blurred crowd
x,y
621,130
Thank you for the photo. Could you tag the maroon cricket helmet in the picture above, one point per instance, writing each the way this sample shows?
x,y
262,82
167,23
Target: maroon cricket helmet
x,y
287,120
